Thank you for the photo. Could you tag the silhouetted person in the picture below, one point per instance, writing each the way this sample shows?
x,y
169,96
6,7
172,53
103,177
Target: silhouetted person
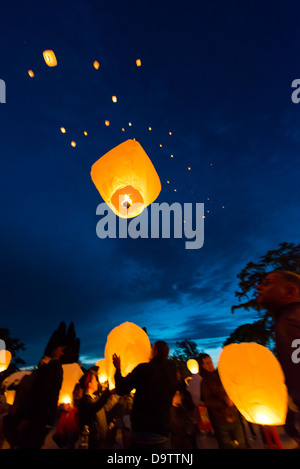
x,y
155,385
88,406
223,414
279,293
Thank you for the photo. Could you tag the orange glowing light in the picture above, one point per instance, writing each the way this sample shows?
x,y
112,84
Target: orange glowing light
x,y
50,58
126,179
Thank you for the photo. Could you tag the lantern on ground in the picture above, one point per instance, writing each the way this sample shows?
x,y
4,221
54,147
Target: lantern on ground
x,y
254,381
71,376
5,357
50,58
102,375
193,366
131,343
126,179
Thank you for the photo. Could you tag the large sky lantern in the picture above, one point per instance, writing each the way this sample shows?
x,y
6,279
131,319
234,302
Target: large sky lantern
x,y
193,366
72,373
131,343
126,179
5,358
254,381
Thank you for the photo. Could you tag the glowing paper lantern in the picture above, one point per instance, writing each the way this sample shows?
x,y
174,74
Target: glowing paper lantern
x,y
193,366
30,73
50,58
5,357
126,179
114,99
71,375
63,130
96,64
131,343
102,375
138,62
254,381
107,123
73,144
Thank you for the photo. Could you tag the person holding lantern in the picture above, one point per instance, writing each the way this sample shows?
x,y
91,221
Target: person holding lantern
x,y
155,384
88,407
223,414
279,294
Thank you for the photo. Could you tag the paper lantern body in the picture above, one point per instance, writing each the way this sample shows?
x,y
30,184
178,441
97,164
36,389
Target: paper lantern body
x,y
131,343
71,375
5,357
102,375
254,381
126,179
193,366
50,58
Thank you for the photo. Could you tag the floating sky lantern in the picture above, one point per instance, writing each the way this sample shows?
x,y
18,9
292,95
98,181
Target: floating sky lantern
x,y
107,123
50,58
73,144
5,358
126,179
131,343
85,133
138,62
71,376
96,64
63,130
254,381
193,366
30,73
114,99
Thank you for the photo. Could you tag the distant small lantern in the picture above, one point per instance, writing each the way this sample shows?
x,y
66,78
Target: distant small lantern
x,y
126,179
63,130
50,58
30,73
131,343
138,62
96,64
71,375
5,358
114,99
193,366
73,144
107,123
253,379
85,132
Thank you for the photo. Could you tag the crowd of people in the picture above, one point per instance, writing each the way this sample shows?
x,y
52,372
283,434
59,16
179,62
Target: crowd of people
x,y
152,407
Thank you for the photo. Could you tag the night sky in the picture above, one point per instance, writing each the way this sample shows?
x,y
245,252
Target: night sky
x,y
218,76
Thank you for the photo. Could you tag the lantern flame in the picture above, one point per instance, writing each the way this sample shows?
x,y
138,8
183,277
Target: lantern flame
x,y
127,202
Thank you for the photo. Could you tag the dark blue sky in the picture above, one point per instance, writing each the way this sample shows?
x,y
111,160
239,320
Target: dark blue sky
x,y
218,76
